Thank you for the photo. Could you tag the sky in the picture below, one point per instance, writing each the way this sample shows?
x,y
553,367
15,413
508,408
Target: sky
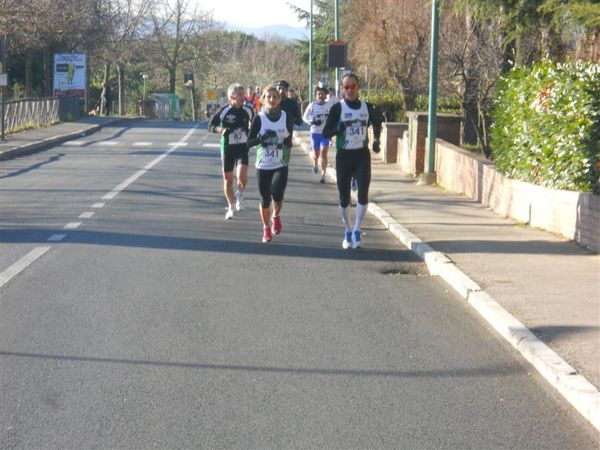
x,y
254,13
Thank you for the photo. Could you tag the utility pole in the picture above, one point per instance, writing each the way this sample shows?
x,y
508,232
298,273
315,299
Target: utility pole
x,y
310,54
337,38
429,177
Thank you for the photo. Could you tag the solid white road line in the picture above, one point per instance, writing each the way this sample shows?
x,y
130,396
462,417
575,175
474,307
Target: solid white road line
x,y
21,264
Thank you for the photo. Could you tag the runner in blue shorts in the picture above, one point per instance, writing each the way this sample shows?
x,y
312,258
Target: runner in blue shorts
x,y
315,115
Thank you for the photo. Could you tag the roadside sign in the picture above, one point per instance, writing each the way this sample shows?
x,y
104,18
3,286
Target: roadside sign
x,y
3,79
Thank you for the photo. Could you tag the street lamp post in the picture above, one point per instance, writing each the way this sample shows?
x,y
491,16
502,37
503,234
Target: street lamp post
x,y
310,53
337,38
429,177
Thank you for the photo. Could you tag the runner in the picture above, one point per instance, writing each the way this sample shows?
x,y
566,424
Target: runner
x,y
316,115
289,106
271,130
251,99
349,120
232,121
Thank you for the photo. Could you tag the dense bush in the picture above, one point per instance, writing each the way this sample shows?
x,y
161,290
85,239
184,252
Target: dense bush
x,y
546,125
390,104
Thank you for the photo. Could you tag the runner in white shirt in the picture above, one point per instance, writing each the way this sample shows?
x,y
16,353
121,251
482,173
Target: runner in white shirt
x,y
315,115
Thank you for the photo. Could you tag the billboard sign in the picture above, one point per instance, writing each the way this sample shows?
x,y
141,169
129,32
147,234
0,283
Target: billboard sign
x,y
70,74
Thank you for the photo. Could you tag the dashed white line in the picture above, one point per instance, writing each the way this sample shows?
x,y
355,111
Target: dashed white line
x,y
211,144
142,144
72,226
109,143
74,143
178,144
86,215
21,264
113,193
98,205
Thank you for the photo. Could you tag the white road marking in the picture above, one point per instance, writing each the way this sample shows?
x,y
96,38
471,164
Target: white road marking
x,y
109,143
56,237
98,205
72,226
142,144
21,264
86,215
178,144
113,193
74,143
210,144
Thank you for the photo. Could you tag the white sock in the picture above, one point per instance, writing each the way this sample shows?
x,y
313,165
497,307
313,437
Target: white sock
x,y
361,210
345,218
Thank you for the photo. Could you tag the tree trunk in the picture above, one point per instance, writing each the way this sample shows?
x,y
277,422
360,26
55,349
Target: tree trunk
x,y
103,106
470,104
28,73
172,79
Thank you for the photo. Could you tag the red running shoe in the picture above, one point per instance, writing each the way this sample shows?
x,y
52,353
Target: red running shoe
x,y
276,228
267,234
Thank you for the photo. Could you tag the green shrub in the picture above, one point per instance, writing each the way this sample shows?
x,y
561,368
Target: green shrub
x,y
450,105
388,102
546,125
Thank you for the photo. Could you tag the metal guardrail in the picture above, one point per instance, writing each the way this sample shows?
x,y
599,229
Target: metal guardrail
x,y
40,112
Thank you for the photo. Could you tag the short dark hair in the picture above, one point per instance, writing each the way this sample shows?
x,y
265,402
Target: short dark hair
x,y
282,83
320,89
352,75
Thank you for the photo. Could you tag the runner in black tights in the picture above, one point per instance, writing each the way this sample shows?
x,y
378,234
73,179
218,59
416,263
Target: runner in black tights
x,y
349,120
271,131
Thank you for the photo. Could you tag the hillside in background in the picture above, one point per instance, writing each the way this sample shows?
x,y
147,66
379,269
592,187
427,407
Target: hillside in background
x,y
283,31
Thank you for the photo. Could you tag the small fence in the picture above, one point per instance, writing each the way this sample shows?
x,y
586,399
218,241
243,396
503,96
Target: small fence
x,y
40,112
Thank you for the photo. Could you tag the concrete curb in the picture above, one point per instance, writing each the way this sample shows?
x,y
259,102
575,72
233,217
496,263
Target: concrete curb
x,y
32,147
577,390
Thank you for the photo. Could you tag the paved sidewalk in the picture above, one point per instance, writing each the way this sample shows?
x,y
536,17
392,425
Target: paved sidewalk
x,y
28,141
549,284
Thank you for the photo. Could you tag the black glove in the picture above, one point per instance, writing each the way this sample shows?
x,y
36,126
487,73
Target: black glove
x,y
376,148
270,137
316,122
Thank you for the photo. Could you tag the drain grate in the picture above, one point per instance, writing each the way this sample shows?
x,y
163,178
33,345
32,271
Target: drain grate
x,y
404,269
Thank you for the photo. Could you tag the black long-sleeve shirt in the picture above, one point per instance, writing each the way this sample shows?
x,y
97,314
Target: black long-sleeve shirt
x,y
332,128
254,139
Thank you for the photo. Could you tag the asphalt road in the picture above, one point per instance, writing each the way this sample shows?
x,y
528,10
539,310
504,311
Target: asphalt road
x,y
132,315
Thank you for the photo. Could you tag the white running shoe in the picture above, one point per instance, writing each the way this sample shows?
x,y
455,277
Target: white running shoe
x,y
230,213
239,200
347,242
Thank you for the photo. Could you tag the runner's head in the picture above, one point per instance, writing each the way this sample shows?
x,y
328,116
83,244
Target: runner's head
x,y
271,97
350,87
282,86
235,92
320,94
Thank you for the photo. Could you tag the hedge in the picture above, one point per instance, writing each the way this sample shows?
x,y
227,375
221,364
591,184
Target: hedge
x,y
390,104
546,125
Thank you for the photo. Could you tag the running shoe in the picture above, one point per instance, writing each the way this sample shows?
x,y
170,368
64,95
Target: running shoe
x,y
356,240
267,234
239,200
322,179
276,228
315,170
230,213
347,242
354,185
